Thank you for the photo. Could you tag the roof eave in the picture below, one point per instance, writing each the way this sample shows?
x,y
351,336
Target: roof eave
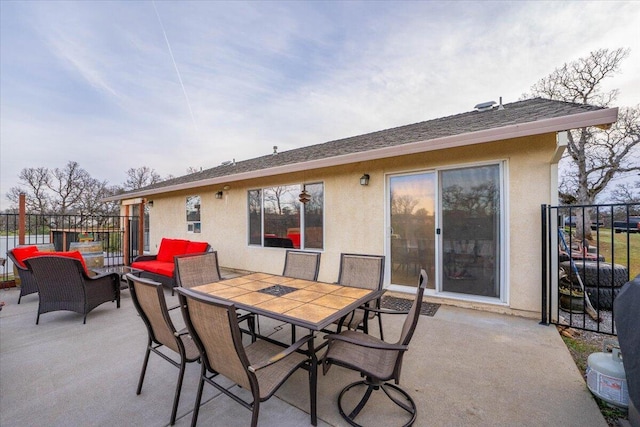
x,y
575,121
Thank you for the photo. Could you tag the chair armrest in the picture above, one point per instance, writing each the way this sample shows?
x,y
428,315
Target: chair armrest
x,y
145,258
376,345
284,353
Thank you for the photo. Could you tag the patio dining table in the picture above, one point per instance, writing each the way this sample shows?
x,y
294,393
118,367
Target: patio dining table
x,y
302,303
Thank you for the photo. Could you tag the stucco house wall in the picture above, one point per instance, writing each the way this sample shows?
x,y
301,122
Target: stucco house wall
x,y
526,138
355,215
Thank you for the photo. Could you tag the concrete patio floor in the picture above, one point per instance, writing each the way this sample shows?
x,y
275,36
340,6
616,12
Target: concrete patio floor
x,y
464,368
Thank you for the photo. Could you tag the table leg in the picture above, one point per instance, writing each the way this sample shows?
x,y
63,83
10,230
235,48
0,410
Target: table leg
x,y
313,380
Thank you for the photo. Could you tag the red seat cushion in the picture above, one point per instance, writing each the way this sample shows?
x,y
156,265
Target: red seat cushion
x,y
73,254
196,247
170,248
158,267
23,252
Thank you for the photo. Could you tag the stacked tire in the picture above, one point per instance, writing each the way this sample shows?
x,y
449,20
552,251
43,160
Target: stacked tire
x,y
602,280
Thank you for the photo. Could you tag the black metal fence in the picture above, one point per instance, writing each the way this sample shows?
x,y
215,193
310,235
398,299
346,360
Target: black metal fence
x,y
117,234
588,253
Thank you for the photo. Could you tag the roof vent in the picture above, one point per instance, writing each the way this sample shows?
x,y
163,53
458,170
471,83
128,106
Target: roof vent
x,y
275,150
500,107
485,106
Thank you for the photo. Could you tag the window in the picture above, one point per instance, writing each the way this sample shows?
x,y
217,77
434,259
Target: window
x,y
278,219
193,214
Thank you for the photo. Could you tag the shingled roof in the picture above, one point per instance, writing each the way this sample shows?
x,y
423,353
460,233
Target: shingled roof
x,y
522,118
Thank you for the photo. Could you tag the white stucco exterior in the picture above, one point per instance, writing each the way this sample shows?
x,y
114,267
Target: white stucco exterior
x,y
354,215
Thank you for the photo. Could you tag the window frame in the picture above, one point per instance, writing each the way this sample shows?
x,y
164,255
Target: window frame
x,y
302,216
194,226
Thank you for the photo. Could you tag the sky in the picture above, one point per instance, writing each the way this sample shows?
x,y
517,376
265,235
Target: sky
x,y
174,85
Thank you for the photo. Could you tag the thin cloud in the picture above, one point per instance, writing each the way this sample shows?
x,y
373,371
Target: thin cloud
x,y
98,75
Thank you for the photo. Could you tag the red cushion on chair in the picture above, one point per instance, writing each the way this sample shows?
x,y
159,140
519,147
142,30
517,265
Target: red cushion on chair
x,y
73,254
196,247
170,248
23,252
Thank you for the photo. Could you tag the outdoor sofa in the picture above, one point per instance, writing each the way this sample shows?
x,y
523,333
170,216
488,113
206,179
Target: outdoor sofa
x,y
161,267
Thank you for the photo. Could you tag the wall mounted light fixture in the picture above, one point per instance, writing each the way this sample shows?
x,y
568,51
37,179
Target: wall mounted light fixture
x,y
219,195
150,203
226,187
364,179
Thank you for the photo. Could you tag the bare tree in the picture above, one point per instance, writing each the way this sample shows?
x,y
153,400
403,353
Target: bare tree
x,y
595,156
90,202
34,183
193,169
57,191
628,193
67,186
141,177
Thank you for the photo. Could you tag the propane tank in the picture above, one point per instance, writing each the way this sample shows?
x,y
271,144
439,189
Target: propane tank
x,y
606,378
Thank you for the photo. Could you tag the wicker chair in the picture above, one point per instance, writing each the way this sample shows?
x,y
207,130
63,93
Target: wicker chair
x,y
148,298
27,281
260,368
376,360
361,271
199,269
196,269
63,284
302,265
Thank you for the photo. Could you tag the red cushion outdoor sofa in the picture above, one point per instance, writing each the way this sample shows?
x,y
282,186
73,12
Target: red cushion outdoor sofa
x,y
161,267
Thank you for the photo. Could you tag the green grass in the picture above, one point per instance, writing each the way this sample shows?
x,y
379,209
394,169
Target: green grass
x,y
620,247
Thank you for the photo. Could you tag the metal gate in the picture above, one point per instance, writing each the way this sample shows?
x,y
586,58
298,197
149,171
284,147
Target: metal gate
x,y
588,253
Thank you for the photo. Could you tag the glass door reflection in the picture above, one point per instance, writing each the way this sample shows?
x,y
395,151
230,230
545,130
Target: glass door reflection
x,y
412,220
470,200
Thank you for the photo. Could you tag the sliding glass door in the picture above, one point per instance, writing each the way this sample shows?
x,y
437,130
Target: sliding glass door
x,y
412,220
470,226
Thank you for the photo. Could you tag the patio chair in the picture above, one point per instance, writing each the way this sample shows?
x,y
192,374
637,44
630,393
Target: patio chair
x,y
197,269
200,269
376,360
64,284
27,281
148,299
361,271
260,368
301,265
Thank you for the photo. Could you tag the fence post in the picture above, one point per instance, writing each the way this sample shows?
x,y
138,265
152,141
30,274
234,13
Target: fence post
x,y
543,221
141,227
126,236
22,218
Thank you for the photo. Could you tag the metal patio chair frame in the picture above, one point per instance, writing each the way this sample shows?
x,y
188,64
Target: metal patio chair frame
x,y
261,367
377,360
149,300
